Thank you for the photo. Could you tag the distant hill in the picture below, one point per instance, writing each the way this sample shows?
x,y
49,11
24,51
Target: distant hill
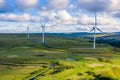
x,y
117,33
72,35
113,39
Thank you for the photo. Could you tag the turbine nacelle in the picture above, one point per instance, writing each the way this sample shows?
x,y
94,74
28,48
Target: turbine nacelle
x,y
95,28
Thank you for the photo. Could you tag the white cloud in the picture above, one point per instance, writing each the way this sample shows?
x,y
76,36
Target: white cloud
x,y
18,18
64,15
102,19
66,18
13,17
20,27
114,5
62,12
116,14
85,19
26,4
107,21
92,5
60,17
57,4
49,14
99,5
72,6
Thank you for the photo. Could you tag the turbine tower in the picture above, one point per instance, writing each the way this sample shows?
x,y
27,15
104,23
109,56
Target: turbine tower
x,y
43,25
28,32
94,30
43,34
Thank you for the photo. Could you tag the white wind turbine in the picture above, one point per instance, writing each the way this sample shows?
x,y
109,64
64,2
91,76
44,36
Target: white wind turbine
x,y
43,25
94,30
28,32
43,28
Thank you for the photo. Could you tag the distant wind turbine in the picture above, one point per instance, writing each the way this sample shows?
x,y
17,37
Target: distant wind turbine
x,y
94,30
43,25
28,32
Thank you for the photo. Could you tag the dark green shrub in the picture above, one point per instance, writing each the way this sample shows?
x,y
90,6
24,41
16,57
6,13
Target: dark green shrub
x,y
108,60
60,68
90,73
105,75
100,77
79,74
55,63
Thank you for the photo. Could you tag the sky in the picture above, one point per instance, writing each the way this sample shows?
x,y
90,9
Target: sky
x,y
60,15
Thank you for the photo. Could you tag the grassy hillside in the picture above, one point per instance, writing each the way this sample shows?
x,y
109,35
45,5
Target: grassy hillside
x,y
113,40
60,58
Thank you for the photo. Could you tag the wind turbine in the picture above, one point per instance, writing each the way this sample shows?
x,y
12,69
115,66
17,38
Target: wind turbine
x,y
28,32
43,34
43,25
94,30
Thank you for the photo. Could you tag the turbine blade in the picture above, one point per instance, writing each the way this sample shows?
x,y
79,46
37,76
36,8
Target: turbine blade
x,y
99,30
91,30
45,21
41,24
44,24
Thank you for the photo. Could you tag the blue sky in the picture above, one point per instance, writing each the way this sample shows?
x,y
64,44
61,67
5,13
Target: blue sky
x,y
62,15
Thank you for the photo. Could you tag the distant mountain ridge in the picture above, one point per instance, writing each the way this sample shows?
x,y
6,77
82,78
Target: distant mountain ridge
x,y
72,35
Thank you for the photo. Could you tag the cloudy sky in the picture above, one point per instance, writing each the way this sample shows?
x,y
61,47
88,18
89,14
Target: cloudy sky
x,y
62,15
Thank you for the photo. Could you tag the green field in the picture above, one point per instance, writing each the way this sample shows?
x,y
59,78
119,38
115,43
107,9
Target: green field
x,y
60,58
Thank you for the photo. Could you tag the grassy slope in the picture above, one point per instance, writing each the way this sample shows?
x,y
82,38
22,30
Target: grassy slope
x,y
17,49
